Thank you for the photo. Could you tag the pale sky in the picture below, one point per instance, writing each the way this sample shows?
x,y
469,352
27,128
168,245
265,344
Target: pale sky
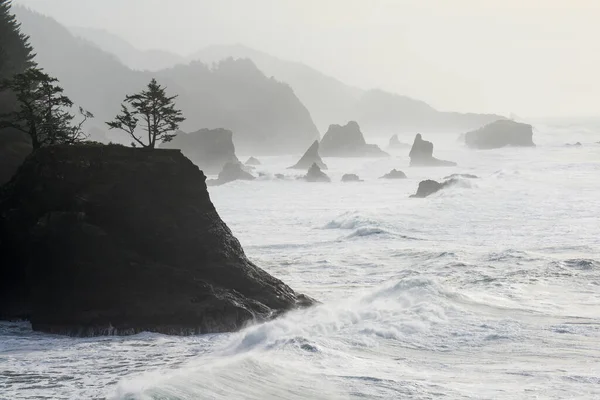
x,y
529,57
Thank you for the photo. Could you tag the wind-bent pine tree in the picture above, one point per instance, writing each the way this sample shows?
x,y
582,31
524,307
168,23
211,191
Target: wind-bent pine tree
x,y
42,111
152,111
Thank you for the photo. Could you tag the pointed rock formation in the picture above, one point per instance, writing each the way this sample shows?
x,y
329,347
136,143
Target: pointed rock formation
x,y
310,157
421,155
126,240
348,141
253,161
501,133
395,143
315,174
231,172
394,174
429,187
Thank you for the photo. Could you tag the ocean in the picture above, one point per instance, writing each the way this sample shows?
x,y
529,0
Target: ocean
x,y
488,289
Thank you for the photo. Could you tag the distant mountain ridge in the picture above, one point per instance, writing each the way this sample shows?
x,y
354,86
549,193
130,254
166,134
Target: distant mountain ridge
x,y
265,115
329,100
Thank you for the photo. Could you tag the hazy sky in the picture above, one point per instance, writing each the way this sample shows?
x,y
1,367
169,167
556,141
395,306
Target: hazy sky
x,y
530,57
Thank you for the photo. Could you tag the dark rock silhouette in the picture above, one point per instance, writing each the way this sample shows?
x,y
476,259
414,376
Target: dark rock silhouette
x,y
15,146
351,178
466,176
421,155
125,240
501,133
348,141
429,187
395,143
232,171
394,174
310,157
279,176
252,161
577,144
315,174
209,149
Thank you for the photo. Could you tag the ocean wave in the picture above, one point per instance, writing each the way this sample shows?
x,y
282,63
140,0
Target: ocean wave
x,y
351,220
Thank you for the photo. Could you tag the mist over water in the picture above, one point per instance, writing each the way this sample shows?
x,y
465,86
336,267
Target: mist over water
x,y
488,289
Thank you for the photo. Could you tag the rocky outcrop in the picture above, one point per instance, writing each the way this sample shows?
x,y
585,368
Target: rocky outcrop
x,y
15,146
351,178
499,134
395,143
394,174
421,155
233,171
252,161
310,157
315,174
429,187
576,144
99,240
348,141
209,149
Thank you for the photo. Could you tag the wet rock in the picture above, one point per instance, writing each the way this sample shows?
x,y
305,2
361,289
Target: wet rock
x,y
394,174
231,172
421,155
501,133
348,141
310,157
126,240
315,174
429,187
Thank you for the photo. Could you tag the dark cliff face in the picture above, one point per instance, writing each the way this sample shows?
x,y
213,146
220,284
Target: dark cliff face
x,y
501,133
113,240
209,149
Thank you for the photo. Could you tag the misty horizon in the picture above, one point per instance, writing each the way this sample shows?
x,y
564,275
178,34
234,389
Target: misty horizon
x,y
531,59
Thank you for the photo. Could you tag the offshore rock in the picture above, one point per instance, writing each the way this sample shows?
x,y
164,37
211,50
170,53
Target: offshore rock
x,y
348,141
429,187
394,174
315,174
501,133
253,161
310,157
351,178
232,171
102,240
421,155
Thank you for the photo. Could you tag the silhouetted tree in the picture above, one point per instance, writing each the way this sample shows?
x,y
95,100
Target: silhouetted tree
x,y
155,110
16,54
43,111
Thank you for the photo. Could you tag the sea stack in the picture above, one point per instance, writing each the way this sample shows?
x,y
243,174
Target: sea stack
x,y
252,161
126,240
232,171
395,143
501,133
310,157
209,149
394,174
421,155
315,174
348,141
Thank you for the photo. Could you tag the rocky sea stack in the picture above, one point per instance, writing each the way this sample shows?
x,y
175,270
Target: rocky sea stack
x,y
348,141
501,133
310,157
351,178
315,174
253,161
233,171
395,143
421,155
100,240
209,149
